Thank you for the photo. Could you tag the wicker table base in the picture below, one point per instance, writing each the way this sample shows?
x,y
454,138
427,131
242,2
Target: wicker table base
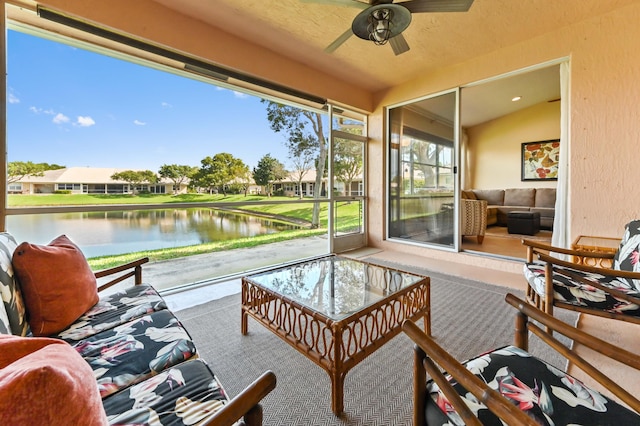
x,y
336,345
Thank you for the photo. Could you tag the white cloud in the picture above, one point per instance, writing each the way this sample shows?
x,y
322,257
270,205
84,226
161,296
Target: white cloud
x,y
60,118
85,121
166,105
13,99
37,110
139,123
240,95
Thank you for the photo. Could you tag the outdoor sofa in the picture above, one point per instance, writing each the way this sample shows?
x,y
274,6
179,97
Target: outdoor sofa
x,y
71,356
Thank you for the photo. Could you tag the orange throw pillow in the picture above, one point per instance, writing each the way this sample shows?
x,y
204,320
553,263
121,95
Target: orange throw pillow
x,y
46,382
57,284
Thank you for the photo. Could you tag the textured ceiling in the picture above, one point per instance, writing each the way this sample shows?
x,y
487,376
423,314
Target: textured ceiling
x,y
301,30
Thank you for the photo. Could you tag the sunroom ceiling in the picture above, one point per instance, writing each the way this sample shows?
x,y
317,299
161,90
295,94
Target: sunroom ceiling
x,y
302,29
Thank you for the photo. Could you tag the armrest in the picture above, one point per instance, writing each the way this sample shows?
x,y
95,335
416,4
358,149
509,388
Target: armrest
x,y
431,358
586,268
537,247
523,326
246,402
131,269
434,356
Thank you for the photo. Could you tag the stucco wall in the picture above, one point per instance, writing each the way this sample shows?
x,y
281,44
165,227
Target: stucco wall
x,y
495,147
605,71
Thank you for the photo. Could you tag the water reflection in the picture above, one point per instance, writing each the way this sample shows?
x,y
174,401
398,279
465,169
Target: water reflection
x,y
114,232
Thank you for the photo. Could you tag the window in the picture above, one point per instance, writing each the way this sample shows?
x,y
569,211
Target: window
x,y
68,187
15,187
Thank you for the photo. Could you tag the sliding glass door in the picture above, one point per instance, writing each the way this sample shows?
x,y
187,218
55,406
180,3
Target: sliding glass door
x,y
422,179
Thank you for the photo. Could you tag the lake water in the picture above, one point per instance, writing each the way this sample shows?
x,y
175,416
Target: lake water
x,y
118,232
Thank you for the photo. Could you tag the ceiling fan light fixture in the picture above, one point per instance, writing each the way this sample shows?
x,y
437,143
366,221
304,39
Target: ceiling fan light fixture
x,y
379,27
381,22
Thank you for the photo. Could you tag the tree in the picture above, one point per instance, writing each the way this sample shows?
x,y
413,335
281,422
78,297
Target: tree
x,y
268,171
136,177
176,174
219,171
18,170
304,131
347,162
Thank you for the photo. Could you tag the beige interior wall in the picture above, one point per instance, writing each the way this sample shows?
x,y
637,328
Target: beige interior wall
x,y
605,71
494,147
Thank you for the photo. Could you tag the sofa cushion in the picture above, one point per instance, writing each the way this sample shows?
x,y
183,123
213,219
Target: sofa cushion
x,y
545,197
45,382
113,310
134,351
494,197
9,290
576,293
519,197
183,395
56,282
545,393
468,195
627,257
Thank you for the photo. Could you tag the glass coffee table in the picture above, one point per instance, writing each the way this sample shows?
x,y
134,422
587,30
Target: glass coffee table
x,y
334,310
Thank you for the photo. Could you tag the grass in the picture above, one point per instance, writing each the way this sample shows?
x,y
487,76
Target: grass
x,y
100,199
295,212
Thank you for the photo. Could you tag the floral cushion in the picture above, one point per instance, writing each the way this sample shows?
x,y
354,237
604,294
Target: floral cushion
x,y
5,327
627,256
576,293
544,392
134,351
113,310
183,395
9,290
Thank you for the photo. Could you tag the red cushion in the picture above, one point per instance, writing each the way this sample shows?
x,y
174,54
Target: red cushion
x,y
45,382
57,284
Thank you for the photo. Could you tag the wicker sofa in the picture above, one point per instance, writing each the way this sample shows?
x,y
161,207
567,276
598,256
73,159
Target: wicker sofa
x,y
502,201
69,355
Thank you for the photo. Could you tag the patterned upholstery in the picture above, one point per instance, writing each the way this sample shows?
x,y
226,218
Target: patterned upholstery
x,y
183,395
582,294
571,291
113,310
545,393
11,295
474,218
132,352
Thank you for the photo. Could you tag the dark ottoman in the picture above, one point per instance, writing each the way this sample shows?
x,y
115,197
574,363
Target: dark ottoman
x,y
527,223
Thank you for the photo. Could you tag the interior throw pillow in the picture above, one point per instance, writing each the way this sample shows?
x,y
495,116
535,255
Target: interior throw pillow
x,y
57,284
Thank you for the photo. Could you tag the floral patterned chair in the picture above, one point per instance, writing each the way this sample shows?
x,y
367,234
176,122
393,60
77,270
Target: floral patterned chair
x,y
510,386
579,286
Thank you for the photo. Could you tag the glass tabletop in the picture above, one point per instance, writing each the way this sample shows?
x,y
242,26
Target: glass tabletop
x,y
335,286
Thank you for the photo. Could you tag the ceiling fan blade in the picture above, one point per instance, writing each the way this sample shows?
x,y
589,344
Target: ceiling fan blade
x,y
338,42
348,3
399,44
421,6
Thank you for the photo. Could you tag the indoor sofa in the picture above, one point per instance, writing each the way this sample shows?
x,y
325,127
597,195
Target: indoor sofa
x,y
69,355
502,201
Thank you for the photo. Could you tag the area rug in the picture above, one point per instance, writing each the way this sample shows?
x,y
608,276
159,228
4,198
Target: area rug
x,y
501,232
469,318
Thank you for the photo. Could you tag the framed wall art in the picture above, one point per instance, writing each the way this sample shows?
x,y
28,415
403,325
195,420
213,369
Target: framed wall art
x,y
540,160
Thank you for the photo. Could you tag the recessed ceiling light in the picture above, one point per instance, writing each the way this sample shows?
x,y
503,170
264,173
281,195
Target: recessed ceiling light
x,y
516,99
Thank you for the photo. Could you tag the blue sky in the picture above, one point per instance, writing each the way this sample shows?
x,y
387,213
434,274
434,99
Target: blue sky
x,y
72,107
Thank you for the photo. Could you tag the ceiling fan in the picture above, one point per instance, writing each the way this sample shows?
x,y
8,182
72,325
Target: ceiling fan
x,y
383,21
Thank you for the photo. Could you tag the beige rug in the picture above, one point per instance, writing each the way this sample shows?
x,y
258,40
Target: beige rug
x,y
501,232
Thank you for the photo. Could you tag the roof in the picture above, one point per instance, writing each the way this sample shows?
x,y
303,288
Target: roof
x,y
89,175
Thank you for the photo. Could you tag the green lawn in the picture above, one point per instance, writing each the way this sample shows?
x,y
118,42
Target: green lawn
x,y
98,199
297,212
